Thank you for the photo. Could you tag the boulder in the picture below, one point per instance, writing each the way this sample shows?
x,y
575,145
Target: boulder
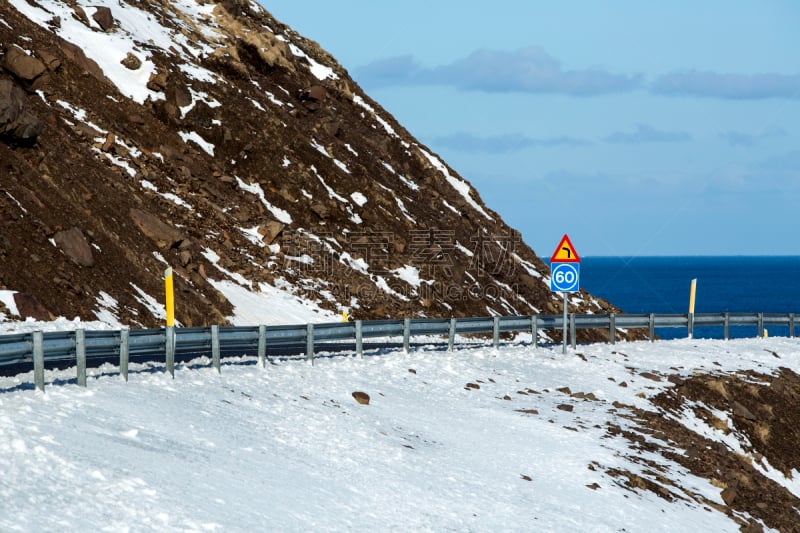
x,y
103,17
50,60
73,243
158,81
21,65
163,235
16,123
270,231
131,62
316,93
29,306
361,397
75,54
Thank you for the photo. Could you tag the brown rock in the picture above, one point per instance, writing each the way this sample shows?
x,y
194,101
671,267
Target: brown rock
x,y
729,495
472,386
361,397
21,65
29,306
50,60
76,55
164,235
104,18
650,376
320,209
131,62
80,14
742,411
316,93
157,81
73,243
15,120
108,144
270,231
179,95
565,407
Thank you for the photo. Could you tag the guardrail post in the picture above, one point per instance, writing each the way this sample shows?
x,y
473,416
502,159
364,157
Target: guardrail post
x,y
726,326
38,359
612,328
124,350
791,325
406,333
760,325
651,326
572,330
215,348
535,331
80,356
262,345
310,343
170,349
690,325
496,332
451,338
359,340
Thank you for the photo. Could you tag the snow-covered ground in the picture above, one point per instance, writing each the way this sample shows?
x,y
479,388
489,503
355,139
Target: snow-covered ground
x,y
287,448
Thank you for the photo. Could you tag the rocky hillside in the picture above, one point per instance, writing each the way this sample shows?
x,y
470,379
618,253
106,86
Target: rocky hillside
x,y
209,137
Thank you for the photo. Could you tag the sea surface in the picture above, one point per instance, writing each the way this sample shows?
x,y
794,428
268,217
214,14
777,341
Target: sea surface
x,y
739,284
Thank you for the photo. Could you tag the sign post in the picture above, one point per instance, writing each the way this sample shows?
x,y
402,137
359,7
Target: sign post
x,y
565,269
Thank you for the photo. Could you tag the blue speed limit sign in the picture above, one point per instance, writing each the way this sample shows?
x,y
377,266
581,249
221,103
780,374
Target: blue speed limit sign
x,y
565,277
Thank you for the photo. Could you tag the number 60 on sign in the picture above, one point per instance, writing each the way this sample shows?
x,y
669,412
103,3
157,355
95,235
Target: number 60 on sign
x,y
565,277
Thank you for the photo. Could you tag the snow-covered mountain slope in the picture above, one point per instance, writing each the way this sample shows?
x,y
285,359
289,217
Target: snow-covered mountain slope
x,y
212,138
685,435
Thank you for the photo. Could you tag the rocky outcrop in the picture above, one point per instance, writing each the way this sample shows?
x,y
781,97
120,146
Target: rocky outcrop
x,y
240,151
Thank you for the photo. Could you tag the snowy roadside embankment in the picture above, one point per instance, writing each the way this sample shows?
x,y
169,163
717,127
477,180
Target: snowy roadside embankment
x,y
476,439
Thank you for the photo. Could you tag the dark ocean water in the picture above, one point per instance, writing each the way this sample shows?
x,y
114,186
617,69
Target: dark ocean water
x,y
662,285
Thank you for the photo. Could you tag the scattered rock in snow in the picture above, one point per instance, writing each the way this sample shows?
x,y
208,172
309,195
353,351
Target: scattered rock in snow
x,y
361,397
104,18
131,62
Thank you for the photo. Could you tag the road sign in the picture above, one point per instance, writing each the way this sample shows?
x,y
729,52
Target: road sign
x,y
565,277
565,252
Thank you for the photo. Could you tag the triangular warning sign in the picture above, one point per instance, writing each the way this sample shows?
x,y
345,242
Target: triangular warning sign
x,y
565,252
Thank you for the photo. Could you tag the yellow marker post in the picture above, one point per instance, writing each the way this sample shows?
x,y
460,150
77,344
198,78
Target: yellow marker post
x,y
170,297
692,294
345,317
169,304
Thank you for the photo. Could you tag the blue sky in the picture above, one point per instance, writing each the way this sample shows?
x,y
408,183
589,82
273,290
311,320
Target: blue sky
x,y
638,128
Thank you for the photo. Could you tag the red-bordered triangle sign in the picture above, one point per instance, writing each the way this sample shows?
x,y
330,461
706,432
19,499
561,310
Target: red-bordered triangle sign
x,y
565,252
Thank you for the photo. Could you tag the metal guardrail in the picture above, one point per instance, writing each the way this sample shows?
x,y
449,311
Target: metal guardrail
x,y
65,348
